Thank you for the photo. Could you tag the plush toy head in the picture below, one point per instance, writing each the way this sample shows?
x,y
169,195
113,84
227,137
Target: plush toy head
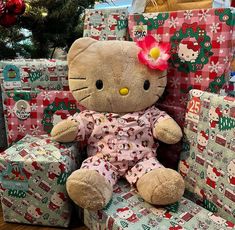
x,y
108,77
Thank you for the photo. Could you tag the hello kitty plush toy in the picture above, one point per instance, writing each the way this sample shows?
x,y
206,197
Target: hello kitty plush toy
x,y
119,82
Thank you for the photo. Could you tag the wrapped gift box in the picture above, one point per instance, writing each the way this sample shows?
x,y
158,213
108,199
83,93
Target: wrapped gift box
x,y
36,112
106,24
221,3
208,156
34,74
204,36
33,174
30,74
127,210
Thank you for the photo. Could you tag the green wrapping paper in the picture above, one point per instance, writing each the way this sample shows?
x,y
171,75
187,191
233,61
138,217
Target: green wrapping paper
x,y
33,173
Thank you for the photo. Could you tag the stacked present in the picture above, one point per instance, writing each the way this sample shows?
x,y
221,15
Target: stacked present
x,y
34,73
33,174
33,171
36,112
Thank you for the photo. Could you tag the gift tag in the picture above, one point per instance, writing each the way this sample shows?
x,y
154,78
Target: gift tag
x,y
11,77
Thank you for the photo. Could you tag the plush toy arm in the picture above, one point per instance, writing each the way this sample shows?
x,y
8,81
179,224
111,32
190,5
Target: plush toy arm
x,y
65,131
167,131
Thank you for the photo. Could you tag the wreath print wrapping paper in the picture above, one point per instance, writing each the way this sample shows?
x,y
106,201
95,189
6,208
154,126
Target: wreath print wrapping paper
x,y
35,112
208,156
30,74
201,50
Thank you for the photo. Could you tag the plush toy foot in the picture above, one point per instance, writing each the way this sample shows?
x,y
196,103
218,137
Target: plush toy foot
x,y
88,189
161,186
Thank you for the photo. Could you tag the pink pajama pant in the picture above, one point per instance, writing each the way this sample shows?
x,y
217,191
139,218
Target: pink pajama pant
x,y
131,170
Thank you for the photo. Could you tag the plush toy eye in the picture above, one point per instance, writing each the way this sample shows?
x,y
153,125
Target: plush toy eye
x,y
99,84
146,84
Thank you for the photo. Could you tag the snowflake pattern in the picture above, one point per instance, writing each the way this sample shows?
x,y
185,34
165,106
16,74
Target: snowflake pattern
x,y
180,116
10,111
214,67
35,130
158,37
46,96
183,100
21,128
10,133
198,79
188,14
173,22
34,107
175,82
226,60
215,27
203,15
221,39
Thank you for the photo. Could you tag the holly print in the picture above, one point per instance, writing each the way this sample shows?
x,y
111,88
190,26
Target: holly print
x,y
226,15
190,48
216,84
22,95
152,22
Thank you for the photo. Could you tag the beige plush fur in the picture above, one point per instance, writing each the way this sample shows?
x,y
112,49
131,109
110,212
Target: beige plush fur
x,y
116,64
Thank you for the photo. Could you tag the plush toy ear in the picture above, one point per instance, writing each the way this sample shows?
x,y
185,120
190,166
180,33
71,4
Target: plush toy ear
x,y
79,46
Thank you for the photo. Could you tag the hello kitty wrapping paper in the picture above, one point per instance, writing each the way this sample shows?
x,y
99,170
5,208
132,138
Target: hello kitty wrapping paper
x,y
127,210
201,50
33,173
106,24
208,157
36,112
31,74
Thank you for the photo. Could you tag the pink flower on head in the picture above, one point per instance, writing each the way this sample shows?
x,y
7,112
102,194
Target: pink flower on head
x,y
153,54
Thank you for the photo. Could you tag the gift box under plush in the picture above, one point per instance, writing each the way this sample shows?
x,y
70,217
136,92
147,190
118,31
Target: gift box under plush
x,y
34,73
127,210
201,50
106,24
208,157
36,112
33,174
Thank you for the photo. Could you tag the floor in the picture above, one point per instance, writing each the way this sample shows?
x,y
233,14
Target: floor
x,y
9,226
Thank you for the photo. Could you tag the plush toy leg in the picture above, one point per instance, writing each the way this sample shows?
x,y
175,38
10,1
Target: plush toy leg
x,y
88,189
161,186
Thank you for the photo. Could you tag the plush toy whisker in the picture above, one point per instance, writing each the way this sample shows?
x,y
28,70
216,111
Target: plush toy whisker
x,y
161,86
74,90
161,77
158,95
77,78
84,98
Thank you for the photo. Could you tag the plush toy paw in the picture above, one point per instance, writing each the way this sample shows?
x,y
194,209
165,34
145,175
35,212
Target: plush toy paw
x,y
65,131
88,189
168,131
161,186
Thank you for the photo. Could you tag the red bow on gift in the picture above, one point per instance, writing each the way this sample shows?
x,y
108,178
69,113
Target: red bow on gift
x,y
186,26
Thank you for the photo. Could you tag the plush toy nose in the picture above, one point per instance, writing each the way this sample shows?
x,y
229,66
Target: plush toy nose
x,y
124,91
